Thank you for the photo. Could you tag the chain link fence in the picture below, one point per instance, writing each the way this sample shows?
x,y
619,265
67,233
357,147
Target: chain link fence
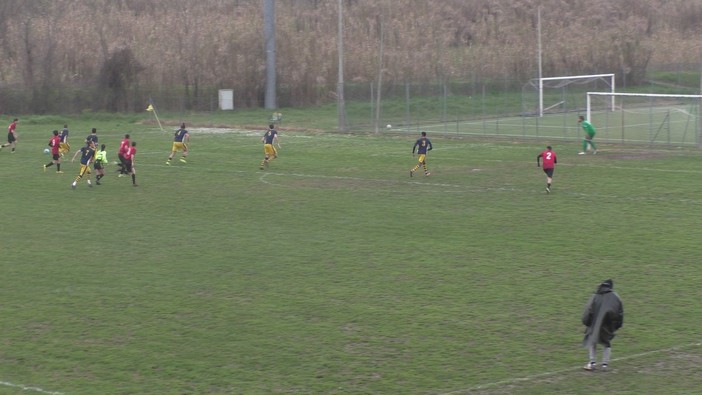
x,y
499,107
509,108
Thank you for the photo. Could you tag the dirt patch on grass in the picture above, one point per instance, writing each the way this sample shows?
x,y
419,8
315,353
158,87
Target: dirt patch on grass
x,y
637,154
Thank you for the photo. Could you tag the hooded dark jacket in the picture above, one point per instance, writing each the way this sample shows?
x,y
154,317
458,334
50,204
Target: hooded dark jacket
x,y
603,315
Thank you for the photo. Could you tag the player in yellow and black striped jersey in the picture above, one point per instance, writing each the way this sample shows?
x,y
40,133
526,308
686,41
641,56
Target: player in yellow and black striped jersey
x,y
64,147
422,146
180,140
269,151
87,155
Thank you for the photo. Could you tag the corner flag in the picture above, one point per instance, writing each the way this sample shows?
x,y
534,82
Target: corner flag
x,y
151,108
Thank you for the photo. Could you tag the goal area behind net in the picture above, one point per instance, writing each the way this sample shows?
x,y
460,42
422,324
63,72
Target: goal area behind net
x,y
645,118
551,95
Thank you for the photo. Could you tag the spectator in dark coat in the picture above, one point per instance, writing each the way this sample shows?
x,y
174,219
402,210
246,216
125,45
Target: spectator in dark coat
x,y
603,315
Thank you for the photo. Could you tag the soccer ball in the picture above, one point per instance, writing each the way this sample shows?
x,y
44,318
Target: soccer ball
x,y
46,151
389,126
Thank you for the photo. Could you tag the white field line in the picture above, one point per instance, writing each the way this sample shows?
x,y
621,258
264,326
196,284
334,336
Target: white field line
x,y
463,187
28,388
529,161
455,392
264,175
454,187
646,169
559,371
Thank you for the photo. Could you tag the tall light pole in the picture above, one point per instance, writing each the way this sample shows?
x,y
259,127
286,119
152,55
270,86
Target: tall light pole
x,y
380,75
539,55
269,37
340,105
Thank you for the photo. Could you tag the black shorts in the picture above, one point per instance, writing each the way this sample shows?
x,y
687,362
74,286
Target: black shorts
x,y
122,160
56,156
549,172
128,165
11,138
97,165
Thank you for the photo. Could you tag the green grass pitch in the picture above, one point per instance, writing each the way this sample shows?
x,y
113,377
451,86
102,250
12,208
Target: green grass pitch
x,y
334,272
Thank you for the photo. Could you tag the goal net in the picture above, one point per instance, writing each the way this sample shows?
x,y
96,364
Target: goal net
x,y
562,94
645,117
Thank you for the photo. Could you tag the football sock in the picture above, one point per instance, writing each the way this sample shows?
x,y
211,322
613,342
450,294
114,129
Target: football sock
x,y
591,351
58,167
49,164
584,145
606,355
133,178
415,168
592,143
548,185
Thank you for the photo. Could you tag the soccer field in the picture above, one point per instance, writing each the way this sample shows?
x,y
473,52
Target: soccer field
x,y
334,272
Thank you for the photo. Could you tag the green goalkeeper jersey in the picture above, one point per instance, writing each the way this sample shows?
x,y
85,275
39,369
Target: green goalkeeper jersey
x,y
588,128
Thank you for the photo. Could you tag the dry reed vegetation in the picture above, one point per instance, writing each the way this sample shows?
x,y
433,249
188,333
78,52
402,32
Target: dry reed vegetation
x,y
61,55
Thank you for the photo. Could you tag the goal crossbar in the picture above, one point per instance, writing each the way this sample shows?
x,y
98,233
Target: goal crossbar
x,y
577,77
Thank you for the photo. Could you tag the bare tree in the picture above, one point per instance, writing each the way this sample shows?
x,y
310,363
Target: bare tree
x,y
117,76
53,51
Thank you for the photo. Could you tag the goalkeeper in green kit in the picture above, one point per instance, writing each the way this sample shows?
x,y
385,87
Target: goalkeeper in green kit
x,y
589,135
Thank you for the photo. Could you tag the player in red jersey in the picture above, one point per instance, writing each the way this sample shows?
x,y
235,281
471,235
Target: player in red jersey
x,y
55,144
129,162
11,135
123,147
550,161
